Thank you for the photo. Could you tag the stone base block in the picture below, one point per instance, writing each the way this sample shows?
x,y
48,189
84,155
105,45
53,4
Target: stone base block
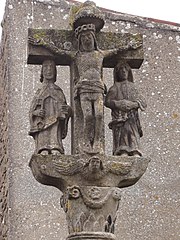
x,y
91,235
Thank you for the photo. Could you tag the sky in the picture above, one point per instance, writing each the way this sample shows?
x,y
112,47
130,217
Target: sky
x,y
160,9
168,10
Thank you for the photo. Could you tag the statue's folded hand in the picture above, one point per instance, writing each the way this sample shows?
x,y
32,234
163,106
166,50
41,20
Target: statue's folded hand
x,y
65,109
64,112
125,105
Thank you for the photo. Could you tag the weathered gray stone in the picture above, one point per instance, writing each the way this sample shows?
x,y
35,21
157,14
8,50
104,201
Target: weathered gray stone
x,y
90,187
64,40
90,205
49,113
149,209
115,171
86,60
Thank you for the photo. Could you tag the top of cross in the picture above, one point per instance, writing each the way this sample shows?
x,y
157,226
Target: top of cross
x,y
62,45
88,13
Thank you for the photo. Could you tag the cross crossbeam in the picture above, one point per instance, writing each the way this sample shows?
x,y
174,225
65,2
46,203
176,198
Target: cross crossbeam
x,y
62,46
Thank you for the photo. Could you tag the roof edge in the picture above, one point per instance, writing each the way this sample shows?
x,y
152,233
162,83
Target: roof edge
x,y
155,20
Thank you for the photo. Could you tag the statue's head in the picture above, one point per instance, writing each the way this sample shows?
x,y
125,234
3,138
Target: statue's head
x,y
49,70
87,20
86,38
95,164
122,71
87,41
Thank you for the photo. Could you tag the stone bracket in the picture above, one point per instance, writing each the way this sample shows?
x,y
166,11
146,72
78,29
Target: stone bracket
x,y
103,171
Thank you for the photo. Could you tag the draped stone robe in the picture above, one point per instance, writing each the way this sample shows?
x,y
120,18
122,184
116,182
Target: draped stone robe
x,y
48,131
126,126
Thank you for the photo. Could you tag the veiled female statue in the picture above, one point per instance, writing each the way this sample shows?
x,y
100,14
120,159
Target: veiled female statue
x,y
124,101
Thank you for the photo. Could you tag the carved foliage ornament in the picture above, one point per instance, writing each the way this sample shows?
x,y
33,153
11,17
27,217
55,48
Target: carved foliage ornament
x,y
98,208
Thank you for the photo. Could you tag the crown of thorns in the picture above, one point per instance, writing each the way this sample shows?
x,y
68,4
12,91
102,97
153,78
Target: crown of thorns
x,y
84,27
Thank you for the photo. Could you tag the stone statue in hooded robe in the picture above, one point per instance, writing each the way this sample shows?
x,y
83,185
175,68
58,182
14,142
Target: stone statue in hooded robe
x,y
124,101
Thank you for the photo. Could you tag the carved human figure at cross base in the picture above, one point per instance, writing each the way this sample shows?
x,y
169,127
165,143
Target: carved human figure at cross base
x,y
49,113
124,101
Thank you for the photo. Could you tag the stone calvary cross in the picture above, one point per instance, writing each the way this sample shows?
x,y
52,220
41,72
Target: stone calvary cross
x,y
89,179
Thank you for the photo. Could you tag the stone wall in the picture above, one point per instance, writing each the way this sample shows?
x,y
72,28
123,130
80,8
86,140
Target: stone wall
x,y
4,183
148,210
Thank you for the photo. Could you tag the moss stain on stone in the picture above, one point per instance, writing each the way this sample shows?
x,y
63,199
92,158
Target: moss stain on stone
x,y
39,34
116,166
74,10
175,116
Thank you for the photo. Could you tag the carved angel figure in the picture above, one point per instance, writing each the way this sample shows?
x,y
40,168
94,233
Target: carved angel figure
x,y
124,101
91,168
49,113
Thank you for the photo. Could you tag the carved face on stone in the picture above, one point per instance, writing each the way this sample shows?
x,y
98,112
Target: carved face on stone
x,y
87,41
49,70
95,164
122,73
95,193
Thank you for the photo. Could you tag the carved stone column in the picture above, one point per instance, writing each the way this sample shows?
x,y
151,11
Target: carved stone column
x,y
91,210
90,186
89,180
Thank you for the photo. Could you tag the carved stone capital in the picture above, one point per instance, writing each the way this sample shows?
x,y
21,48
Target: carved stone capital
x,y
90,186
91,209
